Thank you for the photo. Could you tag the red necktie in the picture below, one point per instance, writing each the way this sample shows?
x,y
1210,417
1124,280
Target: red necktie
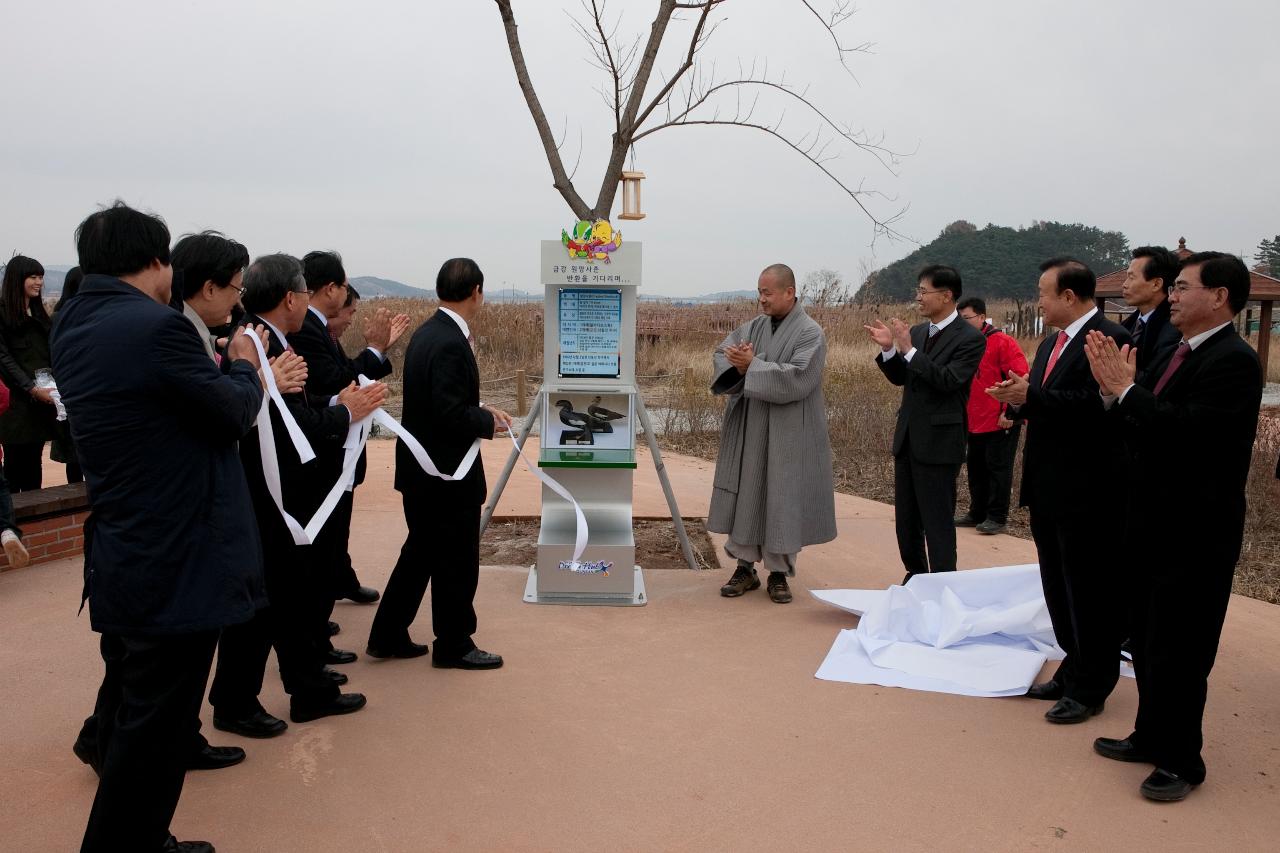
x,y
1184,349
1053,356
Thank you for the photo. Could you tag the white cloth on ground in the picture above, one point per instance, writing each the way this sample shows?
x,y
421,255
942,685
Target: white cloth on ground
x,y
980,632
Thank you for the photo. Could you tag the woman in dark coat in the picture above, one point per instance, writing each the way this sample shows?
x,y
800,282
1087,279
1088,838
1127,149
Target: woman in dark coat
x,y
24,349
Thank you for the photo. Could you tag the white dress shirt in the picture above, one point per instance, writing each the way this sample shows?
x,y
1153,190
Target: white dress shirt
x,y
885,355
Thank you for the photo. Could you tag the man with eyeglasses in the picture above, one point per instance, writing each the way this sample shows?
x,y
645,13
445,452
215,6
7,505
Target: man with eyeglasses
x,y
934,363
1072,450
1190,420
300,597
1150,274
993,438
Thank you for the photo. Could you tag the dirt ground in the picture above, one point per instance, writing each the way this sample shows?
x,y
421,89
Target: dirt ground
x,y
514,542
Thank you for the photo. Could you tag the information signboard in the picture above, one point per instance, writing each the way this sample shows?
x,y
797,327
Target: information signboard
x,y
590,331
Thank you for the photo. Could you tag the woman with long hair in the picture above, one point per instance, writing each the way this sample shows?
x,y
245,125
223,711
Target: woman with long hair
x,y
24,350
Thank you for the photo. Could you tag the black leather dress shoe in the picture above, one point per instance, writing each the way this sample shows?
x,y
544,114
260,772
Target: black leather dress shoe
x,y
474,659
407,649
343,703
339,656
1165,787
259,724
215,758
173,845
338,678
1068,710
967,520
1050,690
87,755
1118,750
334,628
362,595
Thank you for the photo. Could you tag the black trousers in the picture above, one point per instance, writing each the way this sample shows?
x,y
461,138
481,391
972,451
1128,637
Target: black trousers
x,y
295,622
1177,615
1080,571
148,711
22,465
990,461
344,573
924,501
443,548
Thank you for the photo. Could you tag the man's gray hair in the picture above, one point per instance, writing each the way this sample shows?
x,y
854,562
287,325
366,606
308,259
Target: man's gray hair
x,y
268,281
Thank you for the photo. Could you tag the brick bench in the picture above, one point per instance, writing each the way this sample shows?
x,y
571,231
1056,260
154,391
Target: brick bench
x,y
52,522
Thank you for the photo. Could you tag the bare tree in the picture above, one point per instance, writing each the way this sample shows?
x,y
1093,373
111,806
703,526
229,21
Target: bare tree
x,y
824,289
694,93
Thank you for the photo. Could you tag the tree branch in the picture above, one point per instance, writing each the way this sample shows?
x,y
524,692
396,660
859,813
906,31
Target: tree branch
x,y
562,182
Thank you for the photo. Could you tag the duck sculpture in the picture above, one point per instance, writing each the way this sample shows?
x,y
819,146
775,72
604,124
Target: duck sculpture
x,y
579,423
602,415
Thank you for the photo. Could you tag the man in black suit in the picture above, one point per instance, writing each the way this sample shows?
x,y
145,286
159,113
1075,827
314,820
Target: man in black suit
x,y
330,370
300,597
1192,418
934,362
442,410
171,548
1150,274
1071,447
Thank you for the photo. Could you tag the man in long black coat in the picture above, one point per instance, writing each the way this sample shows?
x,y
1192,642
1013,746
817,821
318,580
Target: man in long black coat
x,y
1190,422
442,410
171,547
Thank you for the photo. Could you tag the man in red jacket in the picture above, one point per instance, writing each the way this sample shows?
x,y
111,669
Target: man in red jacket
x,y
993,438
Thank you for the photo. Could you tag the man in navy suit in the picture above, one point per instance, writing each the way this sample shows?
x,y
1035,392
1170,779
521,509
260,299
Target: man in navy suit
x,y
1071,447
171,547
442,410
1190,421
1150,275
934,362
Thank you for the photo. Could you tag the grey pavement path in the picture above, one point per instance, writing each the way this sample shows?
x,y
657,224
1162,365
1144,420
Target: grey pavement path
x,y
694,723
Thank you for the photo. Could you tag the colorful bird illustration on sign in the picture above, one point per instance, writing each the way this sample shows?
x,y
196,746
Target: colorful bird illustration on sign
x,y
591,241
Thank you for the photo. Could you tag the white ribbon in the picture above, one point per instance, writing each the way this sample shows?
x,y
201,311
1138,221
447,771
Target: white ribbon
x,y
267,442
580,537
357,437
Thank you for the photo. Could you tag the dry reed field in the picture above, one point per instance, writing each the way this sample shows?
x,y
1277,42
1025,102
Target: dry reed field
x,y
674,362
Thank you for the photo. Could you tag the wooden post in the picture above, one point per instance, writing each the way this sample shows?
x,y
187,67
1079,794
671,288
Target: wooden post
x,y
522,407
1264,338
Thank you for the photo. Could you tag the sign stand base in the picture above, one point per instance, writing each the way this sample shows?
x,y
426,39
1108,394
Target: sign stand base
x,y
636,598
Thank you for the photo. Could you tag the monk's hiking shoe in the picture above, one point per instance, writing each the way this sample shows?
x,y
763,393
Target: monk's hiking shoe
x,y
778,589
744,580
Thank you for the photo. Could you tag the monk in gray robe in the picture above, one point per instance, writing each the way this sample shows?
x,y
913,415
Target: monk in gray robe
x,y
773,491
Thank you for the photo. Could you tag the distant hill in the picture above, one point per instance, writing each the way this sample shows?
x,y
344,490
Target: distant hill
x,y
719,296
370,287
998,262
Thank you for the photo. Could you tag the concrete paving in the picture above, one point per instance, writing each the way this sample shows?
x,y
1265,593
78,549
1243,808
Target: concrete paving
x,y
694,723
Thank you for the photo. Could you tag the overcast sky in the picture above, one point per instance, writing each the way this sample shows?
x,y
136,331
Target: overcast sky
x,y
394,131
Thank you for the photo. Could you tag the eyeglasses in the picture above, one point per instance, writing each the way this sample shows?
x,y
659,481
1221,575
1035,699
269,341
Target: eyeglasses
x,y
303,291
920,291
1182,287
970,317
239,290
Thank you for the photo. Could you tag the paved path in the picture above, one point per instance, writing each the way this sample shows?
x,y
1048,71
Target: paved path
x,y
694,723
